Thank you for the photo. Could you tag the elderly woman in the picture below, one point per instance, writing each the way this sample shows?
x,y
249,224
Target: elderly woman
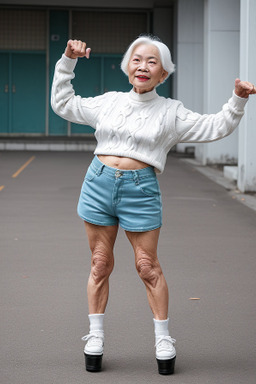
x,y
134,133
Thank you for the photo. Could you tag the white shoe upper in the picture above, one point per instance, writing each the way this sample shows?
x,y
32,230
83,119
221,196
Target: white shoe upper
x,y
95,343
165,349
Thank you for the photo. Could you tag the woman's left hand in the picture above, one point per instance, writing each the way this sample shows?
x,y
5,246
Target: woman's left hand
x,y
244,88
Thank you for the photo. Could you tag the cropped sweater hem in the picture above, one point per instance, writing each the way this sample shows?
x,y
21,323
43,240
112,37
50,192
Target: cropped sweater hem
x,y
136,156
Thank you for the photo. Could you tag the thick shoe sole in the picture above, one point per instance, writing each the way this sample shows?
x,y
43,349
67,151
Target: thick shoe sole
x,y
93,363
166,367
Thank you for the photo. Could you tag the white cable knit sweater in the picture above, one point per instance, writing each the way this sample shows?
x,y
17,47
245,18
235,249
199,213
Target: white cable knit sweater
x,y
140,126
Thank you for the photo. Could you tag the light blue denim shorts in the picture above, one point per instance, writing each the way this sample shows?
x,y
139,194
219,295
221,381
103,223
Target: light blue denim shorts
x,y
111,196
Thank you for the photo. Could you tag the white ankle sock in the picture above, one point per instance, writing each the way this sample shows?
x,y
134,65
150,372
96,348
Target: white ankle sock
x,y
161,327
96,322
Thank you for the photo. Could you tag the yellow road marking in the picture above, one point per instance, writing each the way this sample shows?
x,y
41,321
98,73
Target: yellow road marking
x,y
1,187
23,167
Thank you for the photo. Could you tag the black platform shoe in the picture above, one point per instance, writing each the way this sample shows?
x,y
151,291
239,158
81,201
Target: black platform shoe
x,y
165,355
93,363
166,367
93,351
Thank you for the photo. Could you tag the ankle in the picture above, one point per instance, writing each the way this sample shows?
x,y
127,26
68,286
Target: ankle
x,y
161,328
96,323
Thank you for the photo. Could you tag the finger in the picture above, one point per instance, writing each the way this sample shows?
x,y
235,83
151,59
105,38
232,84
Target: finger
x,y
253,91
87,53
83,46
73,45
81,49
237,81
245,86
78,48
69,43
248,87
69,48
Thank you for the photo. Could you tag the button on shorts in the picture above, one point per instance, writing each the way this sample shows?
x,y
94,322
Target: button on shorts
x,y
112,196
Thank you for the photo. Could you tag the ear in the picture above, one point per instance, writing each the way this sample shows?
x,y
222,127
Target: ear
x,y
163,77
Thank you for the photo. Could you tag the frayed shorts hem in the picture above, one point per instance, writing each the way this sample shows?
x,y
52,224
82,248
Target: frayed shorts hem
x,y
141,229
95,222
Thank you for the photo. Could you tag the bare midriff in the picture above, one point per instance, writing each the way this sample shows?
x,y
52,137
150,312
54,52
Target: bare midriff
x,y
125,163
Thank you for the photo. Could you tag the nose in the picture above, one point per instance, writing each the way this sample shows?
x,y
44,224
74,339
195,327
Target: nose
x,y
143,67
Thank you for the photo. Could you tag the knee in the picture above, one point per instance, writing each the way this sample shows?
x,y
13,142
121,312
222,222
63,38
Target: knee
x,y
149,270
101,267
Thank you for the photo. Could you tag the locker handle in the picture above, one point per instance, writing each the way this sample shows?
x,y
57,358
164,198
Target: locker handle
x,y
13,89
6,88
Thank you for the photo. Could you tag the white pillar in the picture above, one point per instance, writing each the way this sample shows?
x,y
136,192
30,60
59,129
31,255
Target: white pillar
x,y
247,129
189,70
221,67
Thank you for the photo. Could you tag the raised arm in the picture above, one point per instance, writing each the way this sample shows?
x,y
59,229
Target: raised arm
x,y
64,102
193,127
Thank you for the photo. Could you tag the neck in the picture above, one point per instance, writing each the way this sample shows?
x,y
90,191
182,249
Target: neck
x,y
141,91
143,96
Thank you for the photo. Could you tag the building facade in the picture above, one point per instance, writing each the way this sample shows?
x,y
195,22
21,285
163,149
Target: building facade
x,y
212,43
32,39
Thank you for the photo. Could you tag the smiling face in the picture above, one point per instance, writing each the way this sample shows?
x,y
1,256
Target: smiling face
x,y
145,69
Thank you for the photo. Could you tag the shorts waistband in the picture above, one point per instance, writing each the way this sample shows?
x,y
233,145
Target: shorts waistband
x,y
100,167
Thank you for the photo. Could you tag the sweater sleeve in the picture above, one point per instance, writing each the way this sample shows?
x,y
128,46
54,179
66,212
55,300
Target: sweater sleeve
x,y
65,103
193,127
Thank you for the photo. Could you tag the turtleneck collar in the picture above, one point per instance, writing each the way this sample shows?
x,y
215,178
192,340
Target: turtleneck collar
x,y
143,96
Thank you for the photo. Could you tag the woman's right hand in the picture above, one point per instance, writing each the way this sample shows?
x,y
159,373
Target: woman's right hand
x,y
77,48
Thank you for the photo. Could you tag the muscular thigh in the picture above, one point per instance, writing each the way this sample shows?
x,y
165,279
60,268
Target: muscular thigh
x,y
101,238
144,243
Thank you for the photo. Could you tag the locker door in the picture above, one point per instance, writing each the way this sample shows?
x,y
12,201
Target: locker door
x,y
28,93
114,78
4,93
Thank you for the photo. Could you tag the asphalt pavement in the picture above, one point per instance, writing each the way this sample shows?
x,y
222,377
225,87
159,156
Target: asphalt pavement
x,y
207,250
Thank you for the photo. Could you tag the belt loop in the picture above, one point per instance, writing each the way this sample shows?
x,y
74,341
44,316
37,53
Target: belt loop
x,y
136,177
100,170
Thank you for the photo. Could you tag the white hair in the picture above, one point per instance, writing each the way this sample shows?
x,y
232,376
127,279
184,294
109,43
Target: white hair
x,y
164,52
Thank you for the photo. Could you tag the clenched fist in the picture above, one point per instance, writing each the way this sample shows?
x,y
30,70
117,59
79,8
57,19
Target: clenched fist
x,y
244,88
77,48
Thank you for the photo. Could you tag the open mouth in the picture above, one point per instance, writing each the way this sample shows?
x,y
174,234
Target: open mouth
x,y
142,77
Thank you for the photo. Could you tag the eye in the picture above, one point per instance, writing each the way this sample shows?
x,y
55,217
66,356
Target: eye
x,y
152,62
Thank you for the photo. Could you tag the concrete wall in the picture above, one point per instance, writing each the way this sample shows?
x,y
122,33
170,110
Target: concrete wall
x,y
189,74
208,63
247,129
221,67
216,44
